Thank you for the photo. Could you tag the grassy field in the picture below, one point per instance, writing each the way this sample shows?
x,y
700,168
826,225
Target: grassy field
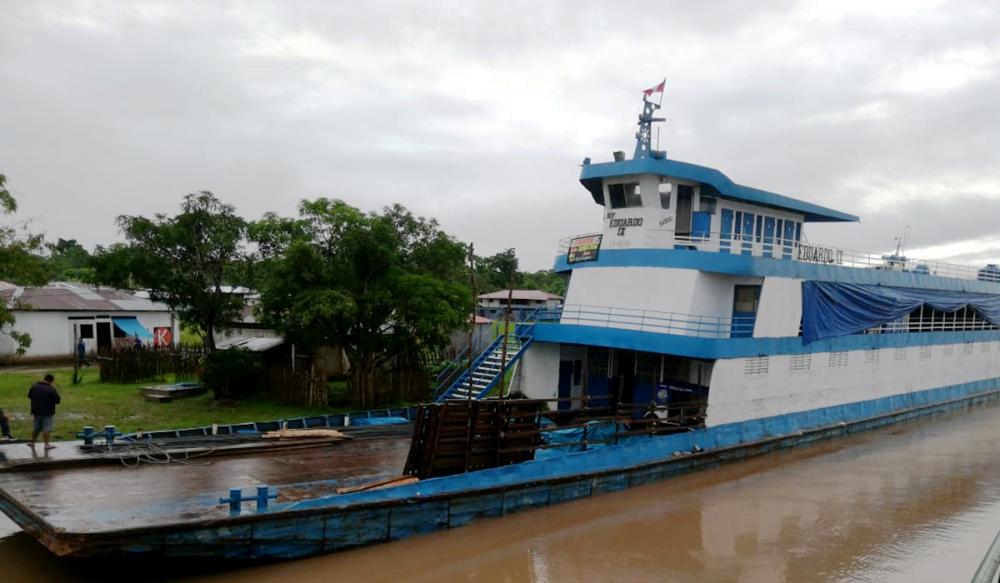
x,y
98,404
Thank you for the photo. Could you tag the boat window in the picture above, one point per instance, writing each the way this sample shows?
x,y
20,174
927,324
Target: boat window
x,y
665,188
746,299
624,195
632,196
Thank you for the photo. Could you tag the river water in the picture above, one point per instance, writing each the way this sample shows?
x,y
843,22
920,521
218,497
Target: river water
x,y
919,501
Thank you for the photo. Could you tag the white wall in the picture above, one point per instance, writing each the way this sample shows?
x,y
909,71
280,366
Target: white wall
x,y
664,289
52,332
735,394
539,371
780,311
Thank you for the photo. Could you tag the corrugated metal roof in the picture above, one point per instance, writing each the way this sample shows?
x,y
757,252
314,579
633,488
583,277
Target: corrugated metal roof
x,y
521,294
251,343
72,297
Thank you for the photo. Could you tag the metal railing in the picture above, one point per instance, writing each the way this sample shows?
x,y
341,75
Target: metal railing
x,y
701,326
780,248
927,320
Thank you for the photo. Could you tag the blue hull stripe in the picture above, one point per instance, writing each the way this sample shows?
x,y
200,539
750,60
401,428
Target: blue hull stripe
x,y
338,522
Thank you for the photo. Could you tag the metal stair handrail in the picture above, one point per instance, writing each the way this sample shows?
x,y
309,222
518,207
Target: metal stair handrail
x,y
523,333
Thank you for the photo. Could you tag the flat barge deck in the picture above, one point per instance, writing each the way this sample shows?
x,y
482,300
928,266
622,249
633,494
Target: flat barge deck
x,y
76,492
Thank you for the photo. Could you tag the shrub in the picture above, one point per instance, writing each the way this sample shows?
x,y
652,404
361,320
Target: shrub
x,y
232,374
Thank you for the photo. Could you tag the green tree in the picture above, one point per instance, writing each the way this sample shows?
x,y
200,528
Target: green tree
x,y
69,261
498,271
381,285
184,261
20,262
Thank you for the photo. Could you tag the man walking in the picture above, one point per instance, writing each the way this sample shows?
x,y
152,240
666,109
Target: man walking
x,y
44,399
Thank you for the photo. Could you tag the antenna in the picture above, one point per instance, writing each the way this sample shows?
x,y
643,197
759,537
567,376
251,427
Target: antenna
x,y
642,137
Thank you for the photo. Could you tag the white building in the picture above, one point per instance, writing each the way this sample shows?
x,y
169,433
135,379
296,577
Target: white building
x,y
524,303
56,314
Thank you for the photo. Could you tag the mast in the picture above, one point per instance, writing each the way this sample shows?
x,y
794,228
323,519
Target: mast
x,y
643,137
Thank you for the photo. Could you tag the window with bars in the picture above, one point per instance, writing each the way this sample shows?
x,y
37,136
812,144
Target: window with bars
x,y
949,349
900,354
597,362
967,348
647,367
871,356
926,352
756,365
984,347
838,359
800,363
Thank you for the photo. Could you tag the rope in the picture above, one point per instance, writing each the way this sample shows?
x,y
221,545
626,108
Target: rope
x,y
151,453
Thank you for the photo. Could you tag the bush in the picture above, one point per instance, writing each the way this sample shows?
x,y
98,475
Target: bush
x,y
232,374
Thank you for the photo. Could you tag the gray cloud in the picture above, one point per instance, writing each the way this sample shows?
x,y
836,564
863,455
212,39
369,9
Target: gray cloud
x,y
479,113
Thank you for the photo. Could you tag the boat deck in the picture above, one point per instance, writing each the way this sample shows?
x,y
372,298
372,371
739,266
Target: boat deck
x,y
75,496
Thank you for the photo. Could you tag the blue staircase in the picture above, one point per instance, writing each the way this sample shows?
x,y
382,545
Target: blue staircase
x,y
486,369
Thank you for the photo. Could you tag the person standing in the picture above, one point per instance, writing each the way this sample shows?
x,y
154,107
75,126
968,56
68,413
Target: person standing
x,y
81,354
44,399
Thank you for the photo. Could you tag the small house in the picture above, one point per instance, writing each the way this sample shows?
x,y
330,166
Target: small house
x,y
59,314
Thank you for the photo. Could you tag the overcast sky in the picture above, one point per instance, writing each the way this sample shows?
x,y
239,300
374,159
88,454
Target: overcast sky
x,y
479,113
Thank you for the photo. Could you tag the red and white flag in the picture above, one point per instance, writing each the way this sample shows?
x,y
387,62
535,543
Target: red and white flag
x,y
657,89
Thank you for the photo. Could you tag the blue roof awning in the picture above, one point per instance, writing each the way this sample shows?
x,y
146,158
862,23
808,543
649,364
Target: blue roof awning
x,y
593,174
131,327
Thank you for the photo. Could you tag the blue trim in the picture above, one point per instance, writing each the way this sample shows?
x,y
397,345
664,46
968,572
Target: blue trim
x,y
712,348
592,176
744,265
331,523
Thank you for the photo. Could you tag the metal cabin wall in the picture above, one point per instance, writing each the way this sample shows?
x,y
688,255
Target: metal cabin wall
x,y
663,289
750,388
780,311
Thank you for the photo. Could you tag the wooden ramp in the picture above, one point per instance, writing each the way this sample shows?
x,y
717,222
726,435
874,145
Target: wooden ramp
x,y
465,435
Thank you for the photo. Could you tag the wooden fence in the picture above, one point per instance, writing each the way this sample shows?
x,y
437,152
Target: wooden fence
x,y
125,365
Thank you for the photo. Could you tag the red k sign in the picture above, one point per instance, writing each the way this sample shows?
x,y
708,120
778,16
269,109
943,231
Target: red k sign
x,y
163,336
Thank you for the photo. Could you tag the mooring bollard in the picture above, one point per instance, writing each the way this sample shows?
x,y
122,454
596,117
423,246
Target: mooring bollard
x,y
87,434
263,497
110,433
235,500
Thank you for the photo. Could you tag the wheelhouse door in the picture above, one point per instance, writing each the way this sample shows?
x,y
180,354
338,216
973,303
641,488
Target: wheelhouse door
x,y
684,193
746,298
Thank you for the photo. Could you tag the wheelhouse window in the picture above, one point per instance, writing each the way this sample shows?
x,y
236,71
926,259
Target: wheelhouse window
x,y
624,195
665,189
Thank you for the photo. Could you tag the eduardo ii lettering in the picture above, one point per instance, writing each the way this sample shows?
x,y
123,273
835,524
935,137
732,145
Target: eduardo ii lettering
x,y
820,254
622,224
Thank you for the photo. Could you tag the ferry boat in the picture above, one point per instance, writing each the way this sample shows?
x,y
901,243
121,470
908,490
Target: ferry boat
x,y
697,287
699,327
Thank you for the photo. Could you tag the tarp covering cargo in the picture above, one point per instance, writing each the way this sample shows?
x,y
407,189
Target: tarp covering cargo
x,y
836,309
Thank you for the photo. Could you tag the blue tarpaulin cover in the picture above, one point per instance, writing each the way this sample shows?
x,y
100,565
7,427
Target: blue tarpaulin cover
x,y
832,309
130,326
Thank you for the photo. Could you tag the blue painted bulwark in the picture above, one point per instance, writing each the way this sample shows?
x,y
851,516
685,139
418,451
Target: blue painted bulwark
x,y
335,522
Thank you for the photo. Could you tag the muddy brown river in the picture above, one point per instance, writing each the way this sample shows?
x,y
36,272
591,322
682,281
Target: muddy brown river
x,y
918,501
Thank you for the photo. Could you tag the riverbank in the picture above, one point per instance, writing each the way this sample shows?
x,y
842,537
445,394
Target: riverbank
x,y
98,404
